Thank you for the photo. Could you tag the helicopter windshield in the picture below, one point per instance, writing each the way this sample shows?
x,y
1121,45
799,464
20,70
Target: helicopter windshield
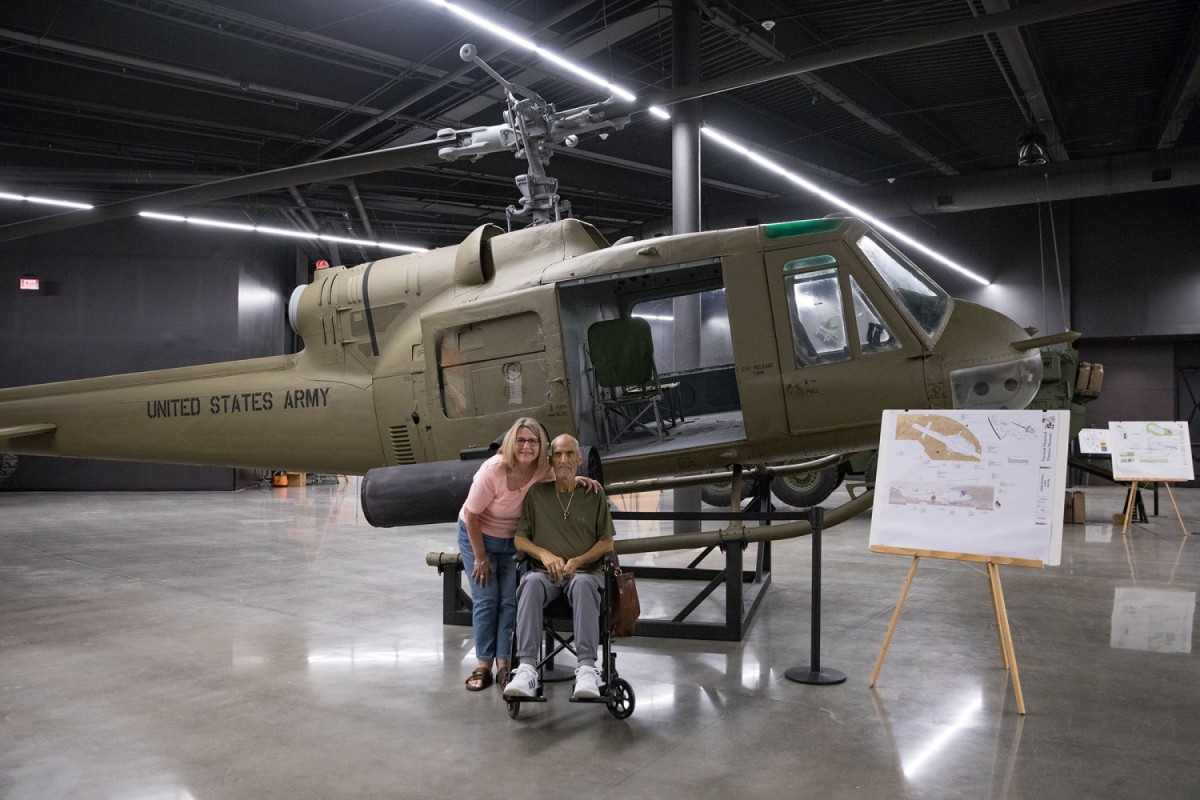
x,y
925,300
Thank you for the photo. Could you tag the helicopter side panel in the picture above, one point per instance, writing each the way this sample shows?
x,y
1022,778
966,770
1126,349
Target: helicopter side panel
x,y
489,363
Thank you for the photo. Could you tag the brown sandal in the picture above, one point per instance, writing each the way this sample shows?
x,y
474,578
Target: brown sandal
x,y
502,676
479,680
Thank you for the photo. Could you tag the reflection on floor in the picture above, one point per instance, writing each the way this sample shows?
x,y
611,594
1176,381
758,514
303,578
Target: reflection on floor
x,y
270,644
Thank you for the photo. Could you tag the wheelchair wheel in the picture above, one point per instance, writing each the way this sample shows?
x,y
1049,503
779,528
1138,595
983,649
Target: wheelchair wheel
x,y
514,708
620,699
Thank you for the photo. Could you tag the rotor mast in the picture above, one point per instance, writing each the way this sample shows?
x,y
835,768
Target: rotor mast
x,y
531,128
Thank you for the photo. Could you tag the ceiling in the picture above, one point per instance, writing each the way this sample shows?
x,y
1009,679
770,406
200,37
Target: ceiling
x,y
108,100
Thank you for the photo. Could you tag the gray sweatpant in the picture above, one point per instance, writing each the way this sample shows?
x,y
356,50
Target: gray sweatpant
x,y
583,591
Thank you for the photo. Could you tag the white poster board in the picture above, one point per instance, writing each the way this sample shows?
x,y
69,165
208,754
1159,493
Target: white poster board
x,y
1095,441
1151,451
981,485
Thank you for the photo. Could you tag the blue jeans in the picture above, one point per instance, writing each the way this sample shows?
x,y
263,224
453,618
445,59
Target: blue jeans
x,y
493,607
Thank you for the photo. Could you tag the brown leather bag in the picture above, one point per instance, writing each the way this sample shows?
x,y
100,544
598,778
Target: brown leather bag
x,y
626,607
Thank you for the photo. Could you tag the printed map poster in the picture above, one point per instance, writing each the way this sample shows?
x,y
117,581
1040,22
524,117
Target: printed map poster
x,y
1151,451
1095,441
981,485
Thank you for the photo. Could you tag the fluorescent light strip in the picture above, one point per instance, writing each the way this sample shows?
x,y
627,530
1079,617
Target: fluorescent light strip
x,y
46,201
238,226
807,185
512,37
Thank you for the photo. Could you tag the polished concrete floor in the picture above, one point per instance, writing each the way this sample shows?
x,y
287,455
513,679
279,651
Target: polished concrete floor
x,y
270,644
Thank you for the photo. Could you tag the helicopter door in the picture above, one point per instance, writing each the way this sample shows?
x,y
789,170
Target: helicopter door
x,y
493,365
844,353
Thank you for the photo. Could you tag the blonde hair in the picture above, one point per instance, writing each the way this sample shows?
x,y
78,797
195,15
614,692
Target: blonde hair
x,y
508,446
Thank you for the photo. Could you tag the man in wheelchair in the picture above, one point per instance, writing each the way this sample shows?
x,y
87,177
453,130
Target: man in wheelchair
x,y
568,532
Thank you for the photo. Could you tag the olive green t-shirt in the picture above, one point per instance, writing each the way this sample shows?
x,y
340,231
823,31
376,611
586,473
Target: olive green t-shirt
x,y
587,520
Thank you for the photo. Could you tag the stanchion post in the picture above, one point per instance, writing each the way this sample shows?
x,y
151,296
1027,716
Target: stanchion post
x,y
813,674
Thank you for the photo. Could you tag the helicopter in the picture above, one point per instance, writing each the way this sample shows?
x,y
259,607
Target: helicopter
x,y
812,329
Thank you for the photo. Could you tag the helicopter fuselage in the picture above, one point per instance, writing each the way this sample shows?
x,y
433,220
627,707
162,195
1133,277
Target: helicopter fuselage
x,y
806,332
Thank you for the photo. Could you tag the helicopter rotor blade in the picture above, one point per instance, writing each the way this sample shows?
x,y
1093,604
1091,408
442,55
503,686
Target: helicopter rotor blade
x,y
610,113
333,169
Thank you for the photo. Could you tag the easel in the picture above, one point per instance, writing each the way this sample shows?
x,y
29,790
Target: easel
x,y
1133,493
1008,657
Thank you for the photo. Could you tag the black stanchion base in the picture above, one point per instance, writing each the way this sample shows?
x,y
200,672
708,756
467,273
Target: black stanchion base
x,y
815,677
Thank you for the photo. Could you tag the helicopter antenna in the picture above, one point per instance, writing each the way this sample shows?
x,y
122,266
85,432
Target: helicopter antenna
x,y
531,121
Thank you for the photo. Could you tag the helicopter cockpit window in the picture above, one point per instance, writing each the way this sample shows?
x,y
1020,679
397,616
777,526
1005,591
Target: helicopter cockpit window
x,y
815,307
925,300
873,333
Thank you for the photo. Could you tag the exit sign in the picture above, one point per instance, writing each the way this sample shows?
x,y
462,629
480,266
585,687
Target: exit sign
x,y
30,283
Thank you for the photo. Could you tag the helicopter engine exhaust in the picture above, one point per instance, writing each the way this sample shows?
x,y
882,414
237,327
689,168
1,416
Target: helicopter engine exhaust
x,y
416,494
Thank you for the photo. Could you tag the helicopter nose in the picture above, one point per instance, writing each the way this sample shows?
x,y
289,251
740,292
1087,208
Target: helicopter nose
x,y
1008,384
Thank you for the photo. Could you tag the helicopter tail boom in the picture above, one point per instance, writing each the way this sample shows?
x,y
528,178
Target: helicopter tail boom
x,y
256,413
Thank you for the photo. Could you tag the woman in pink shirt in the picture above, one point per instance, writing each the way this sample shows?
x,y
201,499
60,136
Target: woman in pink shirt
x,y
485,539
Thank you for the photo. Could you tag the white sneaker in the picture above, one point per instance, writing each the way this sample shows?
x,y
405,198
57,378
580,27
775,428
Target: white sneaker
x,y
523,683
587,683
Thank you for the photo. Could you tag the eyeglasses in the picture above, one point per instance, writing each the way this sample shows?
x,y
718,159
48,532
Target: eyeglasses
x,y
523,442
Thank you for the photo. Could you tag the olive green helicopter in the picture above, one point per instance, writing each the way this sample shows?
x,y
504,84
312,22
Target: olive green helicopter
x,y
807,331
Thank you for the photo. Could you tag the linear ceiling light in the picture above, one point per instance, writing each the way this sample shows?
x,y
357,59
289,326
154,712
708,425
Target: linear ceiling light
x,y
232,226
809,186
43,200
512,37
263,229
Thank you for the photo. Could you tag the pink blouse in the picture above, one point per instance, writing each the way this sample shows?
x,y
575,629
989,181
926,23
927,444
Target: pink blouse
x,y
498,507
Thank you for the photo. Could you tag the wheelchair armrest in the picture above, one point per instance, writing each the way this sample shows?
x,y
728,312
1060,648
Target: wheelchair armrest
x,y
525,562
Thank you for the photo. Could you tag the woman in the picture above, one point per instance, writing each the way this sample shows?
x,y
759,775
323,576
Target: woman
x,y
485,539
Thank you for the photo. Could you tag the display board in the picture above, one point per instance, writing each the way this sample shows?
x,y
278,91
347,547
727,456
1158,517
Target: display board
x,y
981,485
1095,441
1151,451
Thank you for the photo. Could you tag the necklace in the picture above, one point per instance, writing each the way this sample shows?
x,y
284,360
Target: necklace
x,y
567,508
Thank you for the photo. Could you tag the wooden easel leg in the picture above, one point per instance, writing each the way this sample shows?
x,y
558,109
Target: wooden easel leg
x,y
1129,502
887,638
1179,516
992,587
1006,634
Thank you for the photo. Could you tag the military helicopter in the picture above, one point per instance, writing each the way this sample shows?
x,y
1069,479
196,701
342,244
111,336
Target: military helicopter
x,y
815,327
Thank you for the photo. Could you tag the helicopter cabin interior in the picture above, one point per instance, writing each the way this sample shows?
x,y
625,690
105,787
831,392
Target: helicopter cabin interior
x,y
681,311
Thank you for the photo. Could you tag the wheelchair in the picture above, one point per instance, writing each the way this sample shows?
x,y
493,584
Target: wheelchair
x,y
615,692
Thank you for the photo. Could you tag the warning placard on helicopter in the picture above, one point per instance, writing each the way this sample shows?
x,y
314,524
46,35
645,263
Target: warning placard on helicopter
x,y
1151,451
977,484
